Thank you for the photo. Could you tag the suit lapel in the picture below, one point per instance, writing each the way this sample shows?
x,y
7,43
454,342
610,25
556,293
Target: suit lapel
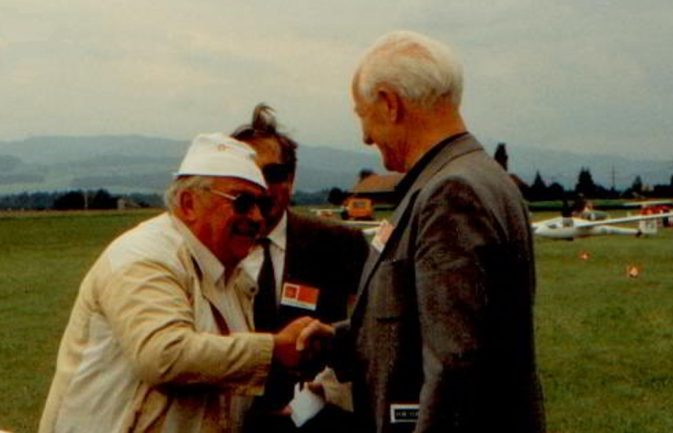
x,y
461,146
398,219
290,236
295,263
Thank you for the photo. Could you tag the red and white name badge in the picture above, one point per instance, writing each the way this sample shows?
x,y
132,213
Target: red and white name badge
x,y
382,235
300,296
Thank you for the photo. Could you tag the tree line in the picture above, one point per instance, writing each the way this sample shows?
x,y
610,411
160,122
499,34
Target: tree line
x,y
585,186
103,199
77,200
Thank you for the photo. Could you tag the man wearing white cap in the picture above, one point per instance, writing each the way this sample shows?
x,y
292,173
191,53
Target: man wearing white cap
x,y
159,338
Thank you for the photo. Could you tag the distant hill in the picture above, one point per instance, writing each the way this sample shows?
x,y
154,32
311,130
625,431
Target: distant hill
x,y
133,163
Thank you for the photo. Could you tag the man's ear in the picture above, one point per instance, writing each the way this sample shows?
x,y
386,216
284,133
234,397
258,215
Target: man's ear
x,y
392,104
291,180
187,204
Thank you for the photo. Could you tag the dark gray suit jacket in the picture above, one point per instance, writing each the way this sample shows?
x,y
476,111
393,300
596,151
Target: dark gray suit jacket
x,y
326,255
444,313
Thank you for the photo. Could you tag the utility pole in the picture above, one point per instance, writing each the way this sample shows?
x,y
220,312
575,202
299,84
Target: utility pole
x,y
613,178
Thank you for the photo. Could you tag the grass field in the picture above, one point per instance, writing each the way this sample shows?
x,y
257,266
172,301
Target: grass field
x,y
605,341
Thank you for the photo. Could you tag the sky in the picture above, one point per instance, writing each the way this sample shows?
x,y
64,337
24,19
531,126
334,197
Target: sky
x,y
591,76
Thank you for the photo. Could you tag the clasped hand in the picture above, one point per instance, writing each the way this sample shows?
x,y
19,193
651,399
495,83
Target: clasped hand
x,y
303,345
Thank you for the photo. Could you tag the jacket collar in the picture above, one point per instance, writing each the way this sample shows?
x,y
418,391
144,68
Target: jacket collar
x,y
208,264
439,156
436,158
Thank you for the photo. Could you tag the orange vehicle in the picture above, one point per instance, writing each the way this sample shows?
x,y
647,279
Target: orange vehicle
x,y
357,208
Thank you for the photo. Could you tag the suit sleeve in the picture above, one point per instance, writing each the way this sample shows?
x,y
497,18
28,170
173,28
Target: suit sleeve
x,y
452,227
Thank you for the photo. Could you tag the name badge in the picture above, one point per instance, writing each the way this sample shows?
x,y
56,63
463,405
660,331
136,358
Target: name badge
x,y
403,413
300,296
382,235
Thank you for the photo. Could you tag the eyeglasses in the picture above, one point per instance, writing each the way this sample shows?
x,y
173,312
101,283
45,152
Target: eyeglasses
x,y
277,173
244,202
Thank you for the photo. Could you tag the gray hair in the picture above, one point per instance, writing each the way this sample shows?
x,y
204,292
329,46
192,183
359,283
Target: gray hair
x,y
418,68
182,183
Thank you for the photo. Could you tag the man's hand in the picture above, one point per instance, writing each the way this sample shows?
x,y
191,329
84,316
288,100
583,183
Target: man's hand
x,y
313,334
315,344
316,388
298,342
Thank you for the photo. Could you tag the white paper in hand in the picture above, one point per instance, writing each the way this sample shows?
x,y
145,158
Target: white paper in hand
x,y
305,405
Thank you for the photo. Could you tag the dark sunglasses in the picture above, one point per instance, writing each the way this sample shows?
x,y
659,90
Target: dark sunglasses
x,y
277,173
244,202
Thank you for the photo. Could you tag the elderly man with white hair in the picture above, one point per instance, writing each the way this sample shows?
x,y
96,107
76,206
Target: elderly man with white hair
x,y
160,338
441,337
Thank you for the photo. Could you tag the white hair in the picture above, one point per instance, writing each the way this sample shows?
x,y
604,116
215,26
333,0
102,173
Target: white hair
x,y
418,68
182,183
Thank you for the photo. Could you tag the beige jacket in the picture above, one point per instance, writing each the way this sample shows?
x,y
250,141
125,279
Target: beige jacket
x,y
148,350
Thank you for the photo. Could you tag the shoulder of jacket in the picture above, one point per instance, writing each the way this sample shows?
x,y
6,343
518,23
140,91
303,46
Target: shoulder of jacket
x,y
154,240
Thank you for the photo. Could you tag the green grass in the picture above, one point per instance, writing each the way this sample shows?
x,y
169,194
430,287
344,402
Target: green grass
x,y
44,257
604,341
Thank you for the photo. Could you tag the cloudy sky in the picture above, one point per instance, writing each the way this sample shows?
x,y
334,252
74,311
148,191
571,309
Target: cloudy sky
x,y
588,76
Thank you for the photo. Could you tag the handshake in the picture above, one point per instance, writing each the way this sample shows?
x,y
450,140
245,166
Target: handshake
x,y
303,346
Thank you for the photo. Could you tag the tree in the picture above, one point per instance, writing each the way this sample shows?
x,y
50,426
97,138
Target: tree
x,y
501,155
103,200
555,191
69,201
336,196
537,191
637,185
585,184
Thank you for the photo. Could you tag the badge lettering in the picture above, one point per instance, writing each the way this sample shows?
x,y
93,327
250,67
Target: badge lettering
x,y
403,413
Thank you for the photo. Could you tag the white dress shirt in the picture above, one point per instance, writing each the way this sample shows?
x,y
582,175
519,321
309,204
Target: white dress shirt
x,y
227,299
336,393
252,264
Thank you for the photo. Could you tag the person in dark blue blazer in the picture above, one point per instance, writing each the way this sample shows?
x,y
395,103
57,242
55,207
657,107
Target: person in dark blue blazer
x,y
316,266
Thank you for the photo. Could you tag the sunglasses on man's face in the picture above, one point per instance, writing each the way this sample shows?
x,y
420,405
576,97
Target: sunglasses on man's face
x,y
244,202
277,173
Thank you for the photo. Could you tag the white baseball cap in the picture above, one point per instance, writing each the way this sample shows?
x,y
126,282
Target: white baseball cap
x,y
217,154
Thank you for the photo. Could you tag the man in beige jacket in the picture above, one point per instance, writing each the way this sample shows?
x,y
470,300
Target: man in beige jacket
x,y
160,337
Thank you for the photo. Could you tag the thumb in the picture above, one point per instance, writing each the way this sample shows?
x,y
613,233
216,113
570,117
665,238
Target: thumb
x,y
306,334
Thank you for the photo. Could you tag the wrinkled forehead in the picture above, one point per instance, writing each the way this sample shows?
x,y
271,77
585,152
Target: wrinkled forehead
x,y
237,185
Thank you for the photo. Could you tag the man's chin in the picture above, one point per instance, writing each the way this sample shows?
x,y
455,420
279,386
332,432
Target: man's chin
x,y
248,241
241,245
391,165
